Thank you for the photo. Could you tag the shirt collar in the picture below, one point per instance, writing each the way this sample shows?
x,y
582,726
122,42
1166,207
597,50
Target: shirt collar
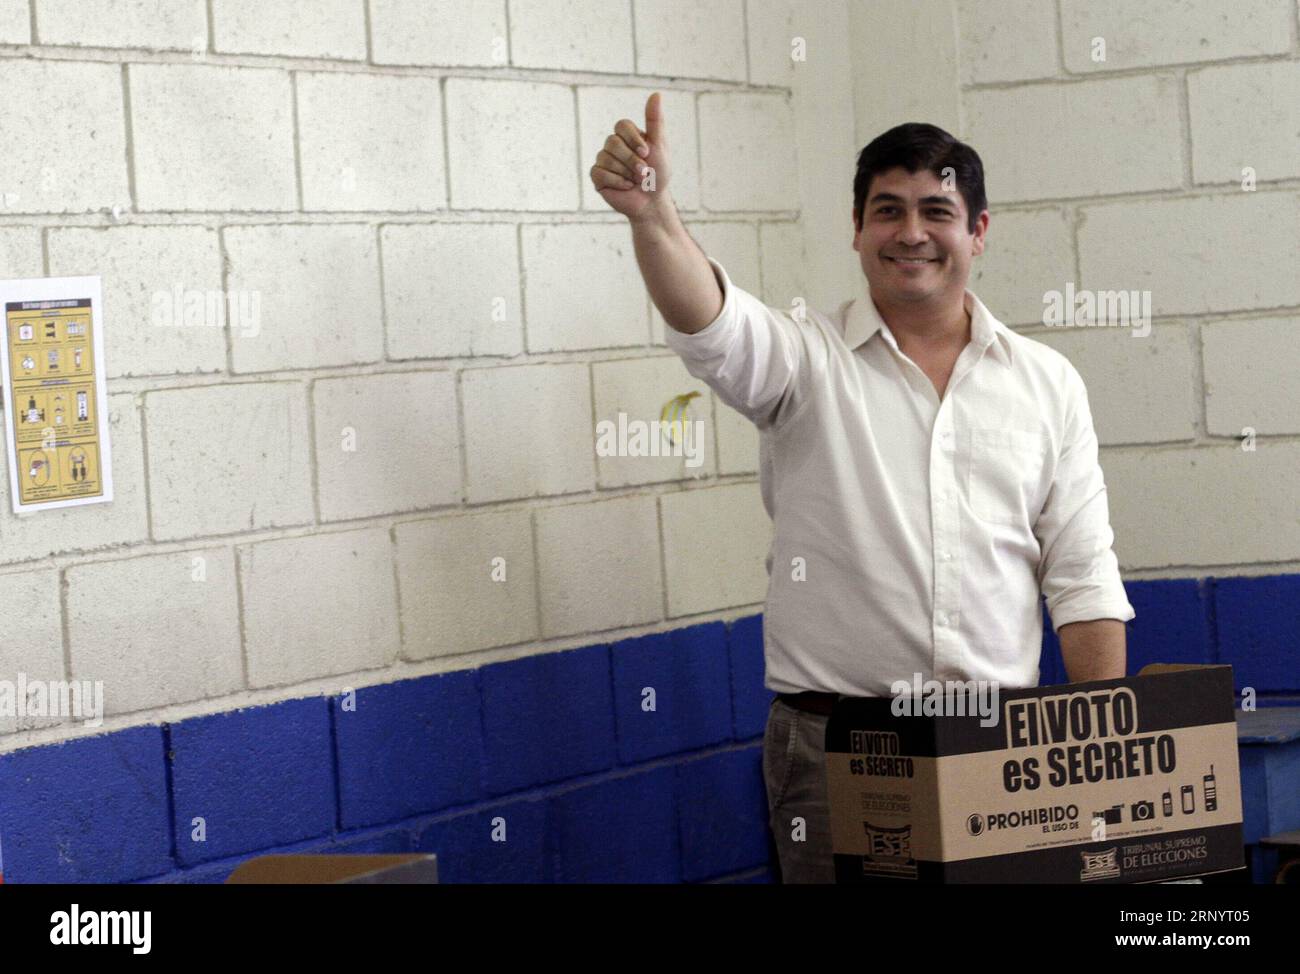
x,y
862,320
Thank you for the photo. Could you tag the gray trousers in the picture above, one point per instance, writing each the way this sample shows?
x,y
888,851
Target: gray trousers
x,y
794,771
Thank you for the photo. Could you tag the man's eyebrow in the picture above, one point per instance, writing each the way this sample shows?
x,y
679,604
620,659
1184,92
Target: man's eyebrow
x,y
930,200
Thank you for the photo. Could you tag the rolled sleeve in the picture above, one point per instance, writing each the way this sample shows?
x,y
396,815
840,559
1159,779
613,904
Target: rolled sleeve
x,y
750,354
1079,573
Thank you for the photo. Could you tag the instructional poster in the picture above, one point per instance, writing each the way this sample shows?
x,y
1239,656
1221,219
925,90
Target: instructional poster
x,y
56,429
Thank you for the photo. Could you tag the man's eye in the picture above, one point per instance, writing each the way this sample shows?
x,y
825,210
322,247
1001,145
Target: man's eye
x,y
938,212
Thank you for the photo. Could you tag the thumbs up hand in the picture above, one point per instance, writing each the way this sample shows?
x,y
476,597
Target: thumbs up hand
x,y
631,172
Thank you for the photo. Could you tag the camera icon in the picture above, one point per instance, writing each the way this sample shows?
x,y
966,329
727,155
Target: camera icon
x,y
1111,816
1142,811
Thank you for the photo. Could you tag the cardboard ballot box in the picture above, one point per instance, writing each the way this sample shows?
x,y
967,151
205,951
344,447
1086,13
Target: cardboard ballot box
x,y
1114,781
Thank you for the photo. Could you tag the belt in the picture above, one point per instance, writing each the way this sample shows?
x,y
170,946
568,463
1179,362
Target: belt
x,y
810,701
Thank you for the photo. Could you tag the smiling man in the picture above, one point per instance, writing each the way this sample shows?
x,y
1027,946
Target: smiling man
x,y
929,472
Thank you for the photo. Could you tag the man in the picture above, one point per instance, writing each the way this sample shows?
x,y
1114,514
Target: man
x,y
928,471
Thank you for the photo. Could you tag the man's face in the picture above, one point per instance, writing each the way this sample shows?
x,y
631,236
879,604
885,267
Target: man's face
x,y
912,242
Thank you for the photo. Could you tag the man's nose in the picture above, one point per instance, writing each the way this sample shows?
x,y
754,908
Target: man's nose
x,y
912,232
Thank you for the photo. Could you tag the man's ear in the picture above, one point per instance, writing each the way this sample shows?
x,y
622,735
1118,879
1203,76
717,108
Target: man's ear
x,y
980,234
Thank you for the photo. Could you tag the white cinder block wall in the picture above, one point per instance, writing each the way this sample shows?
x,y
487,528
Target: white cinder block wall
x,y
390,469
446,309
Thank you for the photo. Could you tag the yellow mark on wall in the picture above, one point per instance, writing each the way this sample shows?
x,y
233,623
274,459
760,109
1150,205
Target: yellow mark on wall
x,y
676,408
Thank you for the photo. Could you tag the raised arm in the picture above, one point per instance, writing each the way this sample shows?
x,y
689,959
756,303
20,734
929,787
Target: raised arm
x,y
750,354
631,174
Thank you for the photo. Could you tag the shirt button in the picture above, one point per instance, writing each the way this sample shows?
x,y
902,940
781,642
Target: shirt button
x,y
941,619
946,555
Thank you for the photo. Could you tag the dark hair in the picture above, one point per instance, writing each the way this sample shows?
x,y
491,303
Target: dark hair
x,y
916,146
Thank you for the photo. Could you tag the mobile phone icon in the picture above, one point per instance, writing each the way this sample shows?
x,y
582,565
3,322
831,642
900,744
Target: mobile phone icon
x,y
1189,799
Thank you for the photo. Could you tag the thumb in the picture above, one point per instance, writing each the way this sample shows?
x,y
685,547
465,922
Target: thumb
x,y
654,119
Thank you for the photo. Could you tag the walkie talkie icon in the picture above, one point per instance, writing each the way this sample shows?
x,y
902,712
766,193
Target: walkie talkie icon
x,y
1211,792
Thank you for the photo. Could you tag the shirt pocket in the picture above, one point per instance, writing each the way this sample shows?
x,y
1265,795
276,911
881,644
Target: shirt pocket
x,y
1006,468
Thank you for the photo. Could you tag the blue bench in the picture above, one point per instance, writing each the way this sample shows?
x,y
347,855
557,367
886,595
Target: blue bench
x,y
1269,745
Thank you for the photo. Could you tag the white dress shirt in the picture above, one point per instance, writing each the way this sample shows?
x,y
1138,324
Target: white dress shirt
x,y
926,528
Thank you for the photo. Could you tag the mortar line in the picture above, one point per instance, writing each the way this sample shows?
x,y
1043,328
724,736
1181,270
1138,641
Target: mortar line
x,y
510,53
1058,25
139,402
744,34
1077,219
636,56
462,445
313,457
370,41
446,143
397,589
526,347
297,140
1143,71
537,574
713,421
383,290
1223,190
954,23
131,187
227,327
65,626
591,410
287,62
239,613
1200,411
1185,146
577,142
663,558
